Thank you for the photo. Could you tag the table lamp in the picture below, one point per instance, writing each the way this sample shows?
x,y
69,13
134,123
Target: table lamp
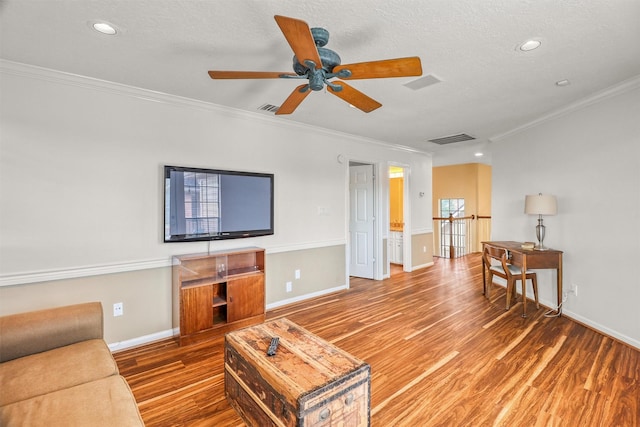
x,y
540,204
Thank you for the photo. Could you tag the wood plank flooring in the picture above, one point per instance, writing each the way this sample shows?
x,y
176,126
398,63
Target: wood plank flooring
x,y
440,355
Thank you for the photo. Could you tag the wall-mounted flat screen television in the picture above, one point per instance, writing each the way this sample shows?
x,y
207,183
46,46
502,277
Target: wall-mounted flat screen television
x,y
209,204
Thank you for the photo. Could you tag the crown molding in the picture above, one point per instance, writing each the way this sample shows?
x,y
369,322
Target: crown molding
x,y
60,77
620,88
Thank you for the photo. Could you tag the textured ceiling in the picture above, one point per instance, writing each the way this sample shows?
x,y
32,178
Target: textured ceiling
x,y
487,87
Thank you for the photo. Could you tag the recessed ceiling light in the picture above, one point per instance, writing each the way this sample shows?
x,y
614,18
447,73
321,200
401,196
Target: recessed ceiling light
x,y
564,82
530,45
105,28
479,154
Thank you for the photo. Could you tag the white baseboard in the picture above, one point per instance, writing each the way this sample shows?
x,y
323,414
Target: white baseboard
x,y
146,339
602,329
418,267
305,297
589,323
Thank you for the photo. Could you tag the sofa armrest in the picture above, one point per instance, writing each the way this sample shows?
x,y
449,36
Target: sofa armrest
x,y
37,331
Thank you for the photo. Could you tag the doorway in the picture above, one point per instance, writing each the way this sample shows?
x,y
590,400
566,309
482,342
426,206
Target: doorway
x,y
395,242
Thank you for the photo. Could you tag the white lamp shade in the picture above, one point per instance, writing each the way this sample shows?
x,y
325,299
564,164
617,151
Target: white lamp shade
x,y
540,204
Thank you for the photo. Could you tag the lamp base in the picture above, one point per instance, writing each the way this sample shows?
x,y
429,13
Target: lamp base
x,y
540,228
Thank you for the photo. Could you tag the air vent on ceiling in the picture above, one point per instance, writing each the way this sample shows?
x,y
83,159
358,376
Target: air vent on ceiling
x,y
422,82
452,138
268,108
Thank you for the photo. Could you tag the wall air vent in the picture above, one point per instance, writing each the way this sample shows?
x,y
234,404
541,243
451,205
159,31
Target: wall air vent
x,y
452,138
268,108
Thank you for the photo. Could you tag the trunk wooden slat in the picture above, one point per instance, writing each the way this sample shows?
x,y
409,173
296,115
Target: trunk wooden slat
x,y
309,382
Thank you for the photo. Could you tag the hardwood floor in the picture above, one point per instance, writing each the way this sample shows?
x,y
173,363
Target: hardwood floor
x,y
440,355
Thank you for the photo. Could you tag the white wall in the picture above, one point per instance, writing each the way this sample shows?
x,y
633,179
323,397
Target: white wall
x,y
589,157
82,165
81,191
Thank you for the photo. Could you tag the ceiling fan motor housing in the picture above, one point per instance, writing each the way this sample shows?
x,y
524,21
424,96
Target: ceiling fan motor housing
x,y
320,36
329,60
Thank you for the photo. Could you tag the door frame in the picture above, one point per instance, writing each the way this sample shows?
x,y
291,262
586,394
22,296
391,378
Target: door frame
x,y
381,209
378,212
406,216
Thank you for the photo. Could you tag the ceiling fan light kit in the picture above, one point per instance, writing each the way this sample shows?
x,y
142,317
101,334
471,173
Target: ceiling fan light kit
x,y
317,64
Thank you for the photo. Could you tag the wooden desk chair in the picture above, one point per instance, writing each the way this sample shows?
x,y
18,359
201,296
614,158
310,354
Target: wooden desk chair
x,y
508,272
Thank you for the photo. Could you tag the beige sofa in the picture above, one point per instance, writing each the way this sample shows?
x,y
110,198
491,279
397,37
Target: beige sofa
x,y
56,370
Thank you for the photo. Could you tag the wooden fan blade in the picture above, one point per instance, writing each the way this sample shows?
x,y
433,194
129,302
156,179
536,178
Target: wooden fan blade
x,y
355,97
292,102
248,74
399,67
299,37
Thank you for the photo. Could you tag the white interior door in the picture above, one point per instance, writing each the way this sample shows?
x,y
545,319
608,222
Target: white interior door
x,y
361,221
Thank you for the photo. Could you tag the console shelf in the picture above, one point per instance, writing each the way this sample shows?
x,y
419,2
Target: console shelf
x,y
217,292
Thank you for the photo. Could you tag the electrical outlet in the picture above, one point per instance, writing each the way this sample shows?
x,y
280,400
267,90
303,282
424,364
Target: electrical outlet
x,y
297,274
289,286
118,309
574,289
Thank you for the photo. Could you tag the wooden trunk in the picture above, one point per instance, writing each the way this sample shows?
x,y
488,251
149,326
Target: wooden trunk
x,y
309,382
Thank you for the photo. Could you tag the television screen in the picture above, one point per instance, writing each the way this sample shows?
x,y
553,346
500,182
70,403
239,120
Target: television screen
x,y
207,204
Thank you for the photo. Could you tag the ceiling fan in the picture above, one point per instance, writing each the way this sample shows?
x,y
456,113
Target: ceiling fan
x,y
317,64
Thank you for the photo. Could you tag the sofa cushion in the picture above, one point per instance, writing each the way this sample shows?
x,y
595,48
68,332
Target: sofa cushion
x,y
37,331
104,402
56,369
